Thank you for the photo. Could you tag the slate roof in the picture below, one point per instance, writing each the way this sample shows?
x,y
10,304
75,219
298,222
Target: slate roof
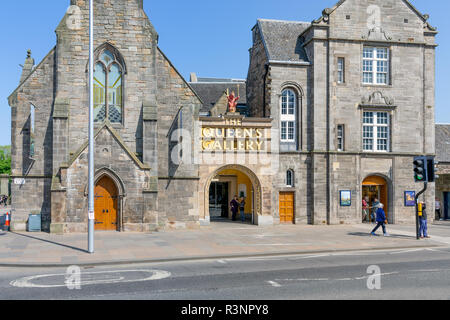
x,y
443,142
211,92
282,39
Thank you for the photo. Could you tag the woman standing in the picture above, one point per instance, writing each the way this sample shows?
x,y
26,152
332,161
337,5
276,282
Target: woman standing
x,y
234,204
242,208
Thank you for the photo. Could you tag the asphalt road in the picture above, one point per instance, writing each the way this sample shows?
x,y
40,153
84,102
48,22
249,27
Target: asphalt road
x,y
405,274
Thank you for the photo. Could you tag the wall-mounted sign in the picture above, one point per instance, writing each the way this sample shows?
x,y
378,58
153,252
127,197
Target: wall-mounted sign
x,y
410,198
19,181
346,198
232,135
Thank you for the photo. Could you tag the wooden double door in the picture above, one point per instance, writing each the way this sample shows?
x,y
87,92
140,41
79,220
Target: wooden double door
x,y
106,202
287,212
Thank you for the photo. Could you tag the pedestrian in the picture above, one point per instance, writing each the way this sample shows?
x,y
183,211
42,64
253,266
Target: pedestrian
x,y
375,206
423,221
381,220
234,207
365,209
242,208
438,210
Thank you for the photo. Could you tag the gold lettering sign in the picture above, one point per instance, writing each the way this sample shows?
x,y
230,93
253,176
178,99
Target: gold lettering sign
x,y
233,138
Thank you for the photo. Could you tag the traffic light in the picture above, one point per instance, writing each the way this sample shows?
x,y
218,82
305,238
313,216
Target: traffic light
x,y
420,169
432,168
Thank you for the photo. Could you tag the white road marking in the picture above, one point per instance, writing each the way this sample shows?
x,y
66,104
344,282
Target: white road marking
x,y
27,282
328,279
222,261
274,284
303,280
407,251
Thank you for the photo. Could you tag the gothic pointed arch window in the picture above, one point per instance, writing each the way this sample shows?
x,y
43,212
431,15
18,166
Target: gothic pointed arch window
x,y
108,86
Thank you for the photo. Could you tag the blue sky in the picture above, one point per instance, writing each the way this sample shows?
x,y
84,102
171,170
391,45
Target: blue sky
x,y
210,38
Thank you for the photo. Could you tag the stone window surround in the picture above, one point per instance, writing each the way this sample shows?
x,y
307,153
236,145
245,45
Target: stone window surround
x,y
389,126
343,127
119,59
290,178
299,111
341,76
389,59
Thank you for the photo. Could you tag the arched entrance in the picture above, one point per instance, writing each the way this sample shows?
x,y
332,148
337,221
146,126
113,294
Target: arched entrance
x,y
226,183
376,187
106,204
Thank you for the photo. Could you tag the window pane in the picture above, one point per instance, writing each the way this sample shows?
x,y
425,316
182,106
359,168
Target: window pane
x,y
368,53
368,117
284,103
368,138
341,68
288,102
382,53
289,178
382,141
107,57
99,93
367,65
382,118
115,94
340,137
291,131
283,130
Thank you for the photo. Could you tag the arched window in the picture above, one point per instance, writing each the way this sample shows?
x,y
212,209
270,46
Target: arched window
x,y
288,119
290,178
108,89
32,130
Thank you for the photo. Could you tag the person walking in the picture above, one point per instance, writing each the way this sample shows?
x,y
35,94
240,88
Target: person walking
x,y
381,221
423,222
234,207
242,208
438,210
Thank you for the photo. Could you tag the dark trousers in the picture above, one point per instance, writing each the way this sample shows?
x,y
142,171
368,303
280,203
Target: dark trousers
x,y
234,214
438,214
380,224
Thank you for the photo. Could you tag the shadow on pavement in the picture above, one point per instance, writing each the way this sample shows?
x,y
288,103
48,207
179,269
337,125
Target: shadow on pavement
x,y
368,235
51,242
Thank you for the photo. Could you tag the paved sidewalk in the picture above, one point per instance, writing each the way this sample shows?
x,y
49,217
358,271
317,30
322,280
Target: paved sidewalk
x,y
219,241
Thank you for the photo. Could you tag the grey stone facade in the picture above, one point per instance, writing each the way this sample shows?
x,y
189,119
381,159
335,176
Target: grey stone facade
x,y
443,158
136,154
278,61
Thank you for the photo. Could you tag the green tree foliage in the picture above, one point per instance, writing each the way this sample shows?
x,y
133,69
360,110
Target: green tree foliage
x,y
5,160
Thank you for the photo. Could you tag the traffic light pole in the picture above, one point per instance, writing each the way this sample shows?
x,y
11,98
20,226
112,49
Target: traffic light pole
x,y
417,210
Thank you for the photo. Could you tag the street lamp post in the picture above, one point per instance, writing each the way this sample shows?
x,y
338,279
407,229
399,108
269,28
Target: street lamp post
x,y
91,208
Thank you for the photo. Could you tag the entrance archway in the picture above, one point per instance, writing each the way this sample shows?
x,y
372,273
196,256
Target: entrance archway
x,y
106,204
227,182
376,187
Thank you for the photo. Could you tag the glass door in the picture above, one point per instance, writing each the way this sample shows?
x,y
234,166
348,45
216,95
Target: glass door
x,y
218,200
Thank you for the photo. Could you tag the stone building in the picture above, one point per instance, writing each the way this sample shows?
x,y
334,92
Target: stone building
x,y
342,91
323,120
443,157
139,96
